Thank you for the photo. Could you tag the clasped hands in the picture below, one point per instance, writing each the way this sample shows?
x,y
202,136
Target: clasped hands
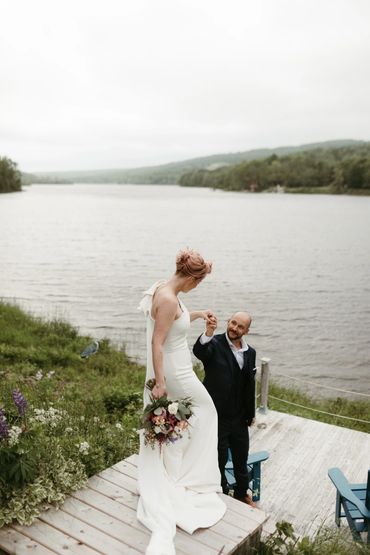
x,y
211,322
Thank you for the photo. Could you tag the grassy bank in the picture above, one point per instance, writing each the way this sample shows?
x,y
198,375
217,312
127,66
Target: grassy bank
x,y
359,410
81,415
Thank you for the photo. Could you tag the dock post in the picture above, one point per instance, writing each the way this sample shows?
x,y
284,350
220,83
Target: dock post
x,y
265,371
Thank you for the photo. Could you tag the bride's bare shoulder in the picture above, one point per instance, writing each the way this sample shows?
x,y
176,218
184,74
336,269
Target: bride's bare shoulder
x,y
165,296
164,299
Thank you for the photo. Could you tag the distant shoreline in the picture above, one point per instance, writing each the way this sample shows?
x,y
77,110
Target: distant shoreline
x,y
291,190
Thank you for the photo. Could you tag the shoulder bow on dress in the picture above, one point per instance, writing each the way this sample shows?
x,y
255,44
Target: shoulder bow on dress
x,y
145,304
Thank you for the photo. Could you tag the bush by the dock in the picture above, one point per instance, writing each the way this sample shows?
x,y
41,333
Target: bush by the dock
x,y
326,541
62,418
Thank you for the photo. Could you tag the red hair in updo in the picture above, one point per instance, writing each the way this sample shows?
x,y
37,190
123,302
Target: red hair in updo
x,y
191,263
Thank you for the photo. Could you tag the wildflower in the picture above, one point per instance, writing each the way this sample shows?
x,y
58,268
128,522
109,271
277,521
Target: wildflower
x,y
50,416
83,448
173,408
68,430
19,401
4,428
119,426
39,375
50,374
14,434
96,419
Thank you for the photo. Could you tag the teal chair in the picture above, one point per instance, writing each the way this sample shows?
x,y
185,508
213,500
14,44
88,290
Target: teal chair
x,y
352,503
254,470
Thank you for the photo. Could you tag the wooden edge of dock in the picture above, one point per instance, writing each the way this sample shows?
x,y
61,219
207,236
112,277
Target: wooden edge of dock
x,y
101,520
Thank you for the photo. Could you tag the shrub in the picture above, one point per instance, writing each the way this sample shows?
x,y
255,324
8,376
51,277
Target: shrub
x,y
327,541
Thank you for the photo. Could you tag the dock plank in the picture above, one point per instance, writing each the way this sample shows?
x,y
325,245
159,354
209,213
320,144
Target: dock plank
x,y
136,535
87,535
15,543
53,539
114,508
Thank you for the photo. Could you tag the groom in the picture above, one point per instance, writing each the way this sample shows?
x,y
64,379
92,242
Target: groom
x,y
229,364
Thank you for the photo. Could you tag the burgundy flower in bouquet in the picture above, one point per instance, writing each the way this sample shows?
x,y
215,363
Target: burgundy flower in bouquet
x,y
165,420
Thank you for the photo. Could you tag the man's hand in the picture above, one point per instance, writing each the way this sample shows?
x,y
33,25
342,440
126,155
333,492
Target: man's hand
x,y
208,315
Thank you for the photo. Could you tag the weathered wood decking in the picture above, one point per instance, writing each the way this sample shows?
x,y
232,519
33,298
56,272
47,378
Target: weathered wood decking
x,y
101,520
295,484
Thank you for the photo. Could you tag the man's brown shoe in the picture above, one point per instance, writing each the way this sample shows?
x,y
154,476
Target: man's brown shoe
x,y
247,500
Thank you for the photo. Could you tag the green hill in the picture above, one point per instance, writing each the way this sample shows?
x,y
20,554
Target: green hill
x,y
172,172
318,170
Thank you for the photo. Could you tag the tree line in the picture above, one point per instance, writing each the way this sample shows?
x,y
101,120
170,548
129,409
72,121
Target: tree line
x,y
337,170
10,176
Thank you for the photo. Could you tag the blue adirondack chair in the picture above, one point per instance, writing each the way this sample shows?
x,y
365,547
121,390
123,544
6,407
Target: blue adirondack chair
x,y
354,499
254,470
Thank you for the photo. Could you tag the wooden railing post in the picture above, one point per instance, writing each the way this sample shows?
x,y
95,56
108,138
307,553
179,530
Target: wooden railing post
x,y
265,371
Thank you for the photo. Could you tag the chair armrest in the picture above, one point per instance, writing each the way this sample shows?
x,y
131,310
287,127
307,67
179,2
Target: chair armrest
x,y
260,456
343,487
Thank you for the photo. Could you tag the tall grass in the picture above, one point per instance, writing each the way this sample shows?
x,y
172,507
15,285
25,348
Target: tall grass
x,y
356,409
81,414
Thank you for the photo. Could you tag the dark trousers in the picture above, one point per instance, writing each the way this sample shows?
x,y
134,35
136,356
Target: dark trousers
x,y
233,433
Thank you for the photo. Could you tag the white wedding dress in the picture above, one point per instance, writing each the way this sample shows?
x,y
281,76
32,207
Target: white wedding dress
x,y
178,484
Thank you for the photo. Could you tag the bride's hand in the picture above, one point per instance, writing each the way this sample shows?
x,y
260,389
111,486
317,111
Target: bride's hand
x,y
159,390
209,316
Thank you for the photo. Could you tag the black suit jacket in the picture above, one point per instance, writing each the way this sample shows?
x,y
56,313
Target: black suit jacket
x,y
231,388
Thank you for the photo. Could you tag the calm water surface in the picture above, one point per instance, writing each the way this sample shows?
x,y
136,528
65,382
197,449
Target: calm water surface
x,y
299,263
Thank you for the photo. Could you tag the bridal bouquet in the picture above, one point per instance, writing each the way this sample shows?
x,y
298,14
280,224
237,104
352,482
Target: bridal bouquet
x,y
165,421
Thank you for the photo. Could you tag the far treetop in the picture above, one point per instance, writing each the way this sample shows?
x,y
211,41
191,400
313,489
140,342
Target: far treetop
x,y
10,176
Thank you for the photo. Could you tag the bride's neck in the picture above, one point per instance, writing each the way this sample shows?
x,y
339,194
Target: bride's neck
x,y
176,283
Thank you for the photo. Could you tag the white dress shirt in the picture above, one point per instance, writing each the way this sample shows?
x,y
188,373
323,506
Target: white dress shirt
x,y
238,353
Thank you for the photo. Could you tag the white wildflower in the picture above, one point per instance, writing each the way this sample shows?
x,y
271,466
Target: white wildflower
x,y
13,436
39,375
82,418
96,419
49,416
68,430
50,374
119,426
173,408
83,447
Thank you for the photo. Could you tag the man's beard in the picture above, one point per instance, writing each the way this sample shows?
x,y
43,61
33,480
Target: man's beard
x,y
236,336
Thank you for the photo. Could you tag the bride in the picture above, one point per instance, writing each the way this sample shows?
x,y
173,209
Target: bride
x,y
178,484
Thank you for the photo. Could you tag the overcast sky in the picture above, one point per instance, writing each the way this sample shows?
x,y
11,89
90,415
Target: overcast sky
x,y
88,84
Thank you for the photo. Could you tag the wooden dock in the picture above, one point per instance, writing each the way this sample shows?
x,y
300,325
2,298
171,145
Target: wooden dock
x,y
101,520
295,484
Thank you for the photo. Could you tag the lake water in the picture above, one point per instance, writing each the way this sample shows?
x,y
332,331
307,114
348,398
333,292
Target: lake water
x,y
299,264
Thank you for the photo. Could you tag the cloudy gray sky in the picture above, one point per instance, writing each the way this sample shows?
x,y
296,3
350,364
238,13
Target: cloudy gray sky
x,y
90,84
